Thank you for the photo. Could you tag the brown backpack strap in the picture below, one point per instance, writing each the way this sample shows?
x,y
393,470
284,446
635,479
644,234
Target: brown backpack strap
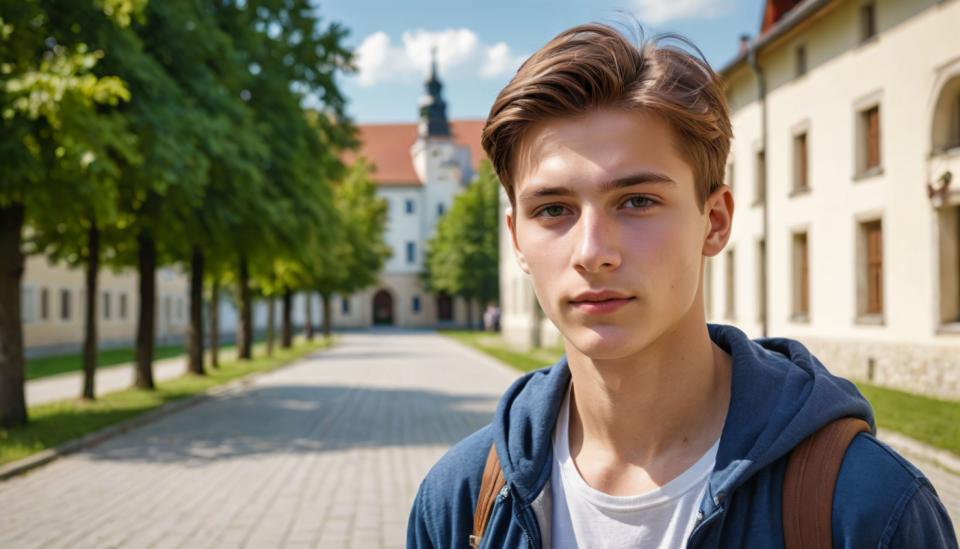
x,y
490,486
809,482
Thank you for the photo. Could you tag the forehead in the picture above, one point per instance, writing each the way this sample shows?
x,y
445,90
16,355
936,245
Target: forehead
x,y
598,146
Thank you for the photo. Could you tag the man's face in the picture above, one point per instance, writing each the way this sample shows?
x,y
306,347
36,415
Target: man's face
x,y
608,225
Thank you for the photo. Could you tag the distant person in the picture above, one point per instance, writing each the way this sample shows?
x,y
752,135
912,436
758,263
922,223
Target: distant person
x,y
491,318
655,429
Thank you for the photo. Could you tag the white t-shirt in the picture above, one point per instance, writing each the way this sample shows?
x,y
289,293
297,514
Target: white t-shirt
x,y
586,517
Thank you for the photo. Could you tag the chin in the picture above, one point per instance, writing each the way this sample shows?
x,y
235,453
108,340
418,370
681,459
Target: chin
x,y
605,342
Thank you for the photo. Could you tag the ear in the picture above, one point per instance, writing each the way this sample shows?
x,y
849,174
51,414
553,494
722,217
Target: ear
x,y
511,225
718,210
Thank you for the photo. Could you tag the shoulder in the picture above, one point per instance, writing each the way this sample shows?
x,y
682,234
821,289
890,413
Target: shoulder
x,y
443,509
880,497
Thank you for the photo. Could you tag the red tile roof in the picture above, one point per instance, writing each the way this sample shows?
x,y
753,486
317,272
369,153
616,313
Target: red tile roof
x,y
387,147
774,10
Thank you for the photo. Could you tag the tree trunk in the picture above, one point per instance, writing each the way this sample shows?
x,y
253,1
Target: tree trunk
x,y
147,265
287,339
271,313
215,323
327,320
307,314
245,331
195,331
90,322
13,406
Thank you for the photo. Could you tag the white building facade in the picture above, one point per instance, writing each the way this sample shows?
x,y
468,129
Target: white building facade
x,y
846,233
419,169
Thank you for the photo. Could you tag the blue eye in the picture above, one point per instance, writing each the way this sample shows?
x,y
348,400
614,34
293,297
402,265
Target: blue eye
x,y
639,202
554,210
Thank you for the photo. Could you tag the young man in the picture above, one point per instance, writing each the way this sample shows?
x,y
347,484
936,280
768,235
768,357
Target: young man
x,y
655,429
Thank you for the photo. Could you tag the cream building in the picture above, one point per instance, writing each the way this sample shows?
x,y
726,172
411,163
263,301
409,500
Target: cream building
x,y
419,169
846,234
53,305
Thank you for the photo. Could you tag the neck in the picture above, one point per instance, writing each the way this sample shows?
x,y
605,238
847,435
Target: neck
x,y
668,400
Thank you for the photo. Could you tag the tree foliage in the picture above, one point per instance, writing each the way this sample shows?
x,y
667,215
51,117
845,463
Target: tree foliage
x,y
462,258
175,132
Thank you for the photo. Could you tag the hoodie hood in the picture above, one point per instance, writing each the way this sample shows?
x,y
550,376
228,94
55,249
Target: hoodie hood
x,y
780,394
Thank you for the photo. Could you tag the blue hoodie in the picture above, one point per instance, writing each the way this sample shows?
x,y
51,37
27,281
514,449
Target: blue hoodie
x,y
780,393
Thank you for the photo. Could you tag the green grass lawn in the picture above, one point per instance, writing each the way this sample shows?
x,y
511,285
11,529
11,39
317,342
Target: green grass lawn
x,y
932,421
492,344
60,364
58,422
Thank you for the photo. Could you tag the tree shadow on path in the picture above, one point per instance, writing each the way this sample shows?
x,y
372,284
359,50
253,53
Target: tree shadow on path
x,y
274,420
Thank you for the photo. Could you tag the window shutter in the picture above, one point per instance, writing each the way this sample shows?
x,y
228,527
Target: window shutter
x,y
874,269
873,138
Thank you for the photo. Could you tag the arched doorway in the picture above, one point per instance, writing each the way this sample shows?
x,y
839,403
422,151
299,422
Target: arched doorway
x,y
444,308
382,307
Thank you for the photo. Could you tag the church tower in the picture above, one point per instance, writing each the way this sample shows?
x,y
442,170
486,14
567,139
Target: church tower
x,y
433,109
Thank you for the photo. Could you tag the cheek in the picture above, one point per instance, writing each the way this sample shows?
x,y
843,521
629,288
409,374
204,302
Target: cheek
x,y
669,251
539,247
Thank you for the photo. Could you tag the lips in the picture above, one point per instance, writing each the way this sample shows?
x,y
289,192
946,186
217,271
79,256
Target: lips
x,y
600,302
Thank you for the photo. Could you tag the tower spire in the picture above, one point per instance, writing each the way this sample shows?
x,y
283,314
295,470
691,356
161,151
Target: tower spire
x,y
433,109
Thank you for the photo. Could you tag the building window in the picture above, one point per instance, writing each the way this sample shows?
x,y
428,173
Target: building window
x,y
27,304
870,287
106,305
411,252
955,118
949,272
409,206
760,177
44,304
800,60
801,182
441,209
801,277
868,21
123,305
179,308
167,310
416,304
345,306
64,304
730,312
868,140
946,119
761,280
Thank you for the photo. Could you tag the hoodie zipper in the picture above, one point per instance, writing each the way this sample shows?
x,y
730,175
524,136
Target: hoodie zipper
x,y
702,525
502,498
526,519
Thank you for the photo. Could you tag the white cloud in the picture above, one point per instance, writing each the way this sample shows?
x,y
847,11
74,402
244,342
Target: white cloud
x,y
655,12
459,51
500,60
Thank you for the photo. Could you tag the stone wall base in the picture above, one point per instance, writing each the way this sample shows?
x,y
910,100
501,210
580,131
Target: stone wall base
x,y
925,369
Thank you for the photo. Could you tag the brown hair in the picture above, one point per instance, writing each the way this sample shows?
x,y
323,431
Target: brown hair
x,y
593,66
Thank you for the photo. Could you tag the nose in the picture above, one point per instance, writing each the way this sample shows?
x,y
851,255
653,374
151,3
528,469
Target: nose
x,y
597,246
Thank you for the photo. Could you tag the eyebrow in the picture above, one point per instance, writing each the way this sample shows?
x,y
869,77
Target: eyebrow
x,y
605,187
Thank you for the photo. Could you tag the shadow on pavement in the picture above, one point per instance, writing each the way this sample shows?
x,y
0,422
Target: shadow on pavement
x,y
297,419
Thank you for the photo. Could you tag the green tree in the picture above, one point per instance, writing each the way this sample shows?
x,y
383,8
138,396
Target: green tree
x,y
356,257
462,258
292,58
57,144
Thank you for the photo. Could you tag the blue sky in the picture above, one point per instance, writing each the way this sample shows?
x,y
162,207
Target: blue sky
x,y
480,44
